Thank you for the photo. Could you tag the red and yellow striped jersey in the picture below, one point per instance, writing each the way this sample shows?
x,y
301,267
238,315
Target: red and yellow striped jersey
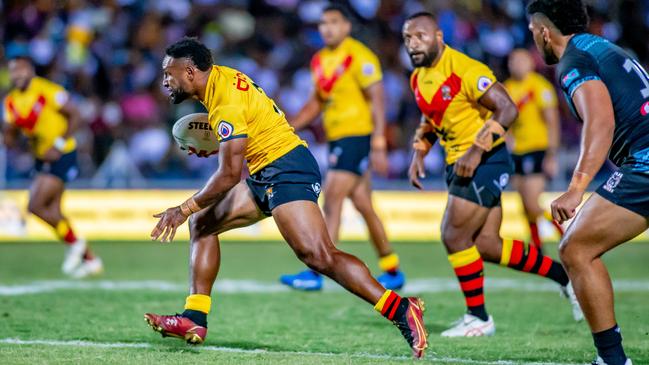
x,y
532,95
340,76
447,94
36,111
239,108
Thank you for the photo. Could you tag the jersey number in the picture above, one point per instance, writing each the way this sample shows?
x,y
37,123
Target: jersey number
x,y
631,65
242,85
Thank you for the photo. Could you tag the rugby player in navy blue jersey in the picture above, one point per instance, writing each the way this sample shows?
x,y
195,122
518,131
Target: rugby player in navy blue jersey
x,y
609,92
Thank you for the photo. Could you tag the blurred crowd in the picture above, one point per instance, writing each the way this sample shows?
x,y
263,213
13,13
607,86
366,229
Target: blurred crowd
x,y
108,55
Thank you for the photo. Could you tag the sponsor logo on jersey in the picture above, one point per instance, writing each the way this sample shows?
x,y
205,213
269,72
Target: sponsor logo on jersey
x,y
446,93
613,181
644,110
483,83
316,188
225,129
570,76
368,69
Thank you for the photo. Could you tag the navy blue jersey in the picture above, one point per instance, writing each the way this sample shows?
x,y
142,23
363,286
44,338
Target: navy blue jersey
x,y
589,57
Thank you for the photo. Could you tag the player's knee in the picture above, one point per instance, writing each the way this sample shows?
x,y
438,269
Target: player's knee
x,y
454,237
570,256
363,206
36,207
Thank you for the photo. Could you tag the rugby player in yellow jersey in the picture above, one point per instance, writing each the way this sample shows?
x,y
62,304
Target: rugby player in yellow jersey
x,y
535,138
284,183
349,92
45,114
464,107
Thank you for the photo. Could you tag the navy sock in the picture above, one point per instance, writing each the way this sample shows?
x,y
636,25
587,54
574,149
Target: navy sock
x,y
609,346
197,317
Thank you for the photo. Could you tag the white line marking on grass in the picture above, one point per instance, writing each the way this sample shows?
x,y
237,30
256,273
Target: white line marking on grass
x,y
140,345
226,286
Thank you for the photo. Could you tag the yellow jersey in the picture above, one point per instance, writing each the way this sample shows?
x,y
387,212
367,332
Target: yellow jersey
x,y
447,94
532,95
36,111
239,108
340,75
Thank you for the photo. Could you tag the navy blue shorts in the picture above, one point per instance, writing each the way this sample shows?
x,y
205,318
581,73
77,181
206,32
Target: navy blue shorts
x,y
528,163
629,188
350,154
488,181
65,168
294,176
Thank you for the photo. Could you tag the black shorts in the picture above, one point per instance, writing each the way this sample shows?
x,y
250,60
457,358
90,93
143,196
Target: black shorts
x,y
294,176
488,181
350,154
528,163
628,188
65,168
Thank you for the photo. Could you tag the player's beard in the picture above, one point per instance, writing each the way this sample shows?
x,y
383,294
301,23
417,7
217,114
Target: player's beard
x,y
428,56
548,54
177,96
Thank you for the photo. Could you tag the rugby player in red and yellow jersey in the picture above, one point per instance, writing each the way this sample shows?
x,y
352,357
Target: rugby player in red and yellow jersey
x,y
44,113
464,107
284,183
349,93
534,137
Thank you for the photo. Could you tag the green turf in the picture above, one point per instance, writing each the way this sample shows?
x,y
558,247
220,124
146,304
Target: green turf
x,y
337,327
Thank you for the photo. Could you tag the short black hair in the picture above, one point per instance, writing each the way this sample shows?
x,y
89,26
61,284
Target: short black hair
x,y
192,48
424,14
339,8
569,16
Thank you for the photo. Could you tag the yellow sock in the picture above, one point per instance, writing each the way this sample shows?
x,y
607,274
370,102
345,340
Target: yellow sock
x,y
199,302
381,303
389,262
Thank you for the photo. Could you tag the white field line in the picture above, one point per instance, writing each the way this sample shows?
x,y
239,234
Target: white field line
x,y
144,345
225,286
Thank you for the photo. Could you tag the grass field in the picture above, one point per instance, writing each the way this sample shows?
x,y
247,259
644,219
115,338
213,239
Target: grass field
x,y
47,319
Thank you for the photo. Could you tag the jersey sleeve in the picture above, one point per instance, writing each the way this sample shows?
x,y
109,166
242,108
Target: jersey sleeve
x,y
229,122
477,80
575,70
55,94
546,96
367,70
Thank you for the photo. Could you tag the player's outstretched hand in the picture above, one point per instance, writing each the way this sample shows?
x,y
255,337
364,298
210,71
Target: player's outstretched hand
x,y
169,221
467,164
417,170
565,206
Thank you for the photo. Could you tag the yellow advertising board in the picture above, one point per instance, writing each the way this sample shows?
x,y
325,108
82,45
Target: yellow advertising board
x,y
128,215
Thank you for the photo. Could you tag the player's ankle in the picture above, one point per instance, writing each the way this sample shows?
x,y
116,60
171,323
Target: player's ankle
x,y
609,346
480,312
197,317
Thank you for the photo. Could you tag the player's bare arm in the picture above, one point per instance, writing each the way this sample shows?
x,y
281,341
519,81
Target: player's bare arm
x,y
231,157
505,113
551,117
308,113
423,141
594,106
378,154
71,113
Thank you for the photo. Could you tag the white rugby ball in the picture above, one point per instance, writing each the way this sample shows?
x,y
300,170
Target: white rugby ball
x,y
194,134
